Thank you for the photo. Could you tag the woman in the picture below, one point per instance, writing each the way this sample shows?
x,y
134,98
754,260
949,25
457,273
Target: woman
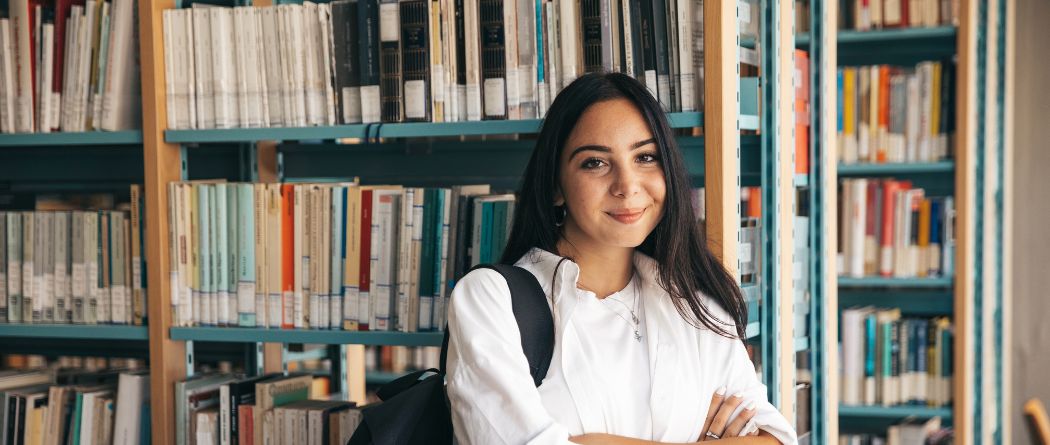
x,y
648,324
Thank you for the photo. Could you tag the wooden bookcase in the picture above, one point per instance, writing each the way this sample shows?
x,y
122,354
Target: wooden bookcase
x,y
725,159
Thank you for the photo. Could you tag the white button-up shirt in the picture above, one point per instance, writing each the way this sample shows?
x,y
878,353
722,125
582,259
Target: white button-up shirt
x,y
494,400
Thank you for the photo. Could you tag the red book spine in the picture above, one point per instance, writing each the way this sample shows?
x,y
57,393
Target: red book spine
x,y
366,258
287,256
890,189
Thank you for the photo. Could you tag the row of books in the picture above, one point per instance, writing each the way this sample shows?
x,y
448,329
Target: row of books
x,y
401,359
865,15
910,431
896,114
890,228
364,61
889,360
327,256
225,409
68,65
57,407
82,267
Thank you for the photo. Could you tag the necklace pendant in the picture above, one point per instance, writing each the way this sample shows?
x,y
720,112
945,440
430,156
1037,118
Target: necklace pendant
x,y
637,336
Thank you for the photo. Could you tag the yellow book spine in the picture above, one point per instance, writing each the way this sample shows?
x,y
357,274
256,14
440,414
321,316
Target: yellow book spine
x,y
849,102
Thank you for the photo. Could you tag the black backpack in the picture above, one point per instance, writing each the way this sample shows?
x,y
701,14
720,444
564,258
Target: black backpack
x,y
415,409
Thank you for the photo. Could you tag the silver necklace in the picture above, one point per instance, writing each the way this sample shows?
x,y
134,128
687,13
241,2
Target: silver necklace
x,y
633,322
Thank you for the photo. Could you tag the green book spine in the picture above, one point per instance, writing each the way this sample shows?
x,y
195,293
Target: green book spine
x,y
499,229
77,410
486,232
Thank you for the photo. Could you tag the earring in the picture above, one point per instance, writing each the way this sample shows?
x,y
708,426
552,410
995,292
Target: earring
x,y
559,220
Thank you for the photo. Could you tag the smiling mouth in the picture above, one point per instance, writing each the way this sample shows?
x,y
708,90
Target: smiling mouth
x,y
627,217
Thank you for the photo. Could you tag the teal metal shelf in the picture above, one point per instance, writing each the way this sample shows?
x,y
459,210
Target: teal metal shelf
x,y
894,412
928,302
906,168
74,331
392,130
79,138
936,282
897,35
249,335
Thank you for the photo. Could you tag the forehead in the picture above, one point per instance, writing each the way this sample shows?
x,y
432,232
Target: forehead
x,y
615,123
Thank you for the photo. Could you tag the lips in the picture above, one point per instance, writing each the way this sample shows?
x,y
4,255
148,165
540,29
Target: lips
x,y
626,216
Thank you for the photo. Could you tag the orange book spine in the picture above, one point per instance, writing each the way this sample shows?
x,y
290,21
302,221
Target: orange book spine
x,y
889,197
924,235
884,113
754,202
287,256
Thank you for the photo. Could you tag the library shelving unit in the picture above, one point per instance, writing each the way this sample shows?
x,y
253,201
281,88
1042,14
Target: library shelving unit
x,y
721,157
92,161
976,297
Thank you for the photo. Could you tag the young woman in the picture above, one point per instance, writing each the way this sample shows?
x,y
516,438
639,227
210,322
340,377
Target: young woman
x,y
648,324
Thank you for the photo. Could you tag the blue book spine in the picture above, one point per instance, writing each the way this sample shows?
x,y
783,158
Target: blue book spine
x,y
335,300
222,269
246,255
921,366
441,226
345,289
204,268
839,104
869,352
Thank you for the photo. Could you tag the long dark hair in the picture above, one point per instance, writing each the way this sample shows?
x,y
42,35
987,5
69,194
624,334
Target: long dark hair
x,y
678,244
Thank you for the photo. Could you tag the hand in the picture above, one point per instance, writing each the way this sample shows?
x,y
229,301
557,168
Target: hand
x,y
718,422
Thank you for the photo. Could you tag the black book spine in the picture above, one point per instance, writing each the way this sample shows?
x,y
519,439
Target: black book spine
x,y
415,62
591,25
637,48
648,45
347,74
461,50
660,45
368,54
947,124
493,59
390,61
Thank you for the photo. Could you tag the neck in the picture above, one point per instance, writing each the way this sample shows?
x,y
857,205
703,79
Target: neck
x,y
604,270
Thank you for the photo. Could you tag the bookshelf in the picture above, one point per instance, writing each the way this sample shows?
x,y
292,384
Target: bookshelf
x,y
131,137
722,157
976,44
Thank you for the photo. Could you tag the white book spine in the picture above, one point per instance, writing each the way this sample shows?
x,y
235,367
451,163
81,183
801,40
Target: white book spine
x,y
569,21
473,61
205,85
44,72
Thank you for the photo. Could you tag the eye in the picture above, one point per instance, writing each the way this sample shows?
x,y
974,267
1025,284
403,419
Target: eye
x,y
649,158
592,163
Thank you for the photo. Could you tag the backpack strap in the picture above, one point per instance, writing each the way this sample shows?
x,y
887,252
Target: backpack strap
x,y
534,318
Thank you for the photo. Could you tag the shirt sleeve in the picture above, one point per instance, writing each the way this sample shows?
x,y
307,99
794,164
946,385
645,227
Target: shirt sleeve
x,y
493,398
742,380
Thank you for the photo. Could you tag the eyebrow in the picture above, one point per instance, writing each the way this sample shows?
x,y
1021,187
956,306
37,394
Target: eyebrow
x,y
605,149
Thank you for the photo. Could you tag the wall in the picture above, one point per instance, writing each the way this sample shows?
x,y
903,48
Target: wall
x,y
1030,186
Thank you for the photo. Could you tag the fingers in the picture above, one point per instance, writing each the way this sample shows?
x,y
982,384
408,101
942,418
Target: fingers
x,y
716,402
721,420
736,427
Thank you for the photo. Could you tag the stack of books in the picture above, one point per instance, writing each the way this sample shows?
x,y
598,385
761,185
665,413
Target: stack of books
x,y
889,228
69,65
328,255
894,114
364,61
79,266
53,407
219,409
888,360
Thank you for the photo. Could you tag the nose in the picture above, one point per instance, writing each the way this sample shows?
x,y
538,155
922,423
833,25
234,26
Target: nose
x,y
626,183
